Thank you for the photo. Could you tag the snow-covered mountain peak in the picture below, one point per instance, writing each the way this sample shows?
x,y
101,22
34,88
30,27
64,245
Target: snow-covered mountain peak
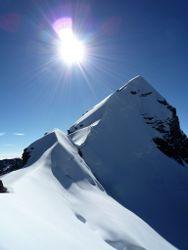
x,y
130,144
137,93
139,87
140,104
133,143
139,83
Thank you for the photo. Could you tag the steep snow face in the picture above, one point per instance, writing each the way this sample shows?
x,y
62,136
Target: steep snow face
x,y
56,203
125,152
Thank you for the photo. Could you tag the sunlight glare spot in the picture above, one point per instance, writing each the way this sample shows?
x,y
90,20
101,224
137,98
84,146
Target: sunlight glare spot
x,y
70,49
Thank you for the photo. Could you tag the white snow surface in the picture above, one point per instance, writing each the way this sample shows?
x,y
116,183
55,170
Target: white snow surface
x,y
121,152
123,100
57,203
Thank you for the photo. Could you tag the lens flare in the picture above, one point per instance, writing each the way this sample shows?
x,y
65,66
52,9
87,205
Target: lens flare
x,y
70,49
61,25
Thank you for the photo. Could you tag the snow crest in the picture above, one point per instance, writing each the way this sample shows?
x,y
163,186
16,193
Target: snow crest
x,y
56,202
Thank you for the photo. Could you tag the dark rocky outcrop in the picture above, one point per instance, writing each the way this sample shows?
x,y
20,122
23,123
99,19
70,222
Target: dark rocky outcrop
x,y
25,156
164,102
9,165
2,188
146,94
173,142
133,92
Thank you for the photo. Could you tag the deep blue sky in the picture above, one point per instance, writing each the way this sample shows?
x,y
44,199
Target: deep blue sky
x,y
128,38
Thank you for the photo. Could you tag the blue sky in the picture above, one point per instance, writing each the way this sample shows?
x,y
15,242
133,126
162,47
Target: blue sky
x,y
127,38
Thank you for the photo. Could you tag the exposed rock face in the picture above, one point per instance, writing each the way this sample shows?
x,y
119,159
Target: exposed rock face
x,y
173,142
9,165
26,155
2,188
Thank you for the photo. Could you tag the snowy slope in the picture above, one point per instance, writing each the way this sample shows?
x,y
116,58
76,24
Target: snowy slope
x,y
57,203
134,146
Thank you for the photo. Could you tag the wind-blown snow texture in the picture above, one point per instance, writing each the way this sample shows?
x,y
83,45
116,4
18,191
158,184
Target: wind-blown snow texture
x,y
57,203
134,146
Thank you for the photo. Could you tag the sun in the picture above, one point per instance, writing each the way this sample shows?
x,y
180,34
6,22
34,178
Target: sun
x,y
70,49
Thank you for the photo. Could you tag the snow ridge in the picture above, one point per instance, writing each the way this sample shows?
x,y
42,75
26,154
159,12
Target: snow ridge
x,y
57,202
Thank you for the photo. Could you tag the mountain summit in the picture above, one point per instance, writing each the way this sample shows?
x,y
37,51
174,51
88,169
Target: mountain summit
x,y
120,171
133,144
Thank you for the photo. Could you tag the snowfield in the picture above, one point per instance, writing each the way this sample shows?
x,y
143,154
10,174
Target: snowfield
x,y
57,203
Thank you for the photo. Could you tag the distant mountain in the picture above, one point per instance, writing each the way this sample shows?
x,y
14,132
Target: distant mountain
x,y
133,144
